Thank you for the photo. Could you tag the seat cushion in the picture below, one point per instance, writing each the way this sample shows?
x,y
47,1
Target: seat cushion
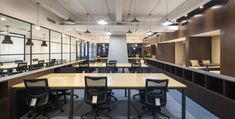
x,y
194,63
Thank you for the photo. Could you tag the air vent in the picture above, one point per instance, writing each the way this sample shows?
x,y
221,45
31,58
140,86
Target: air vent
x,y
51,20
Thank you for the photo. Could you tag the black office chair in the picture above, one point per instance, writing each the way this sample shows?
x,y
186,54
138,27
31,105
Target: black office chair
x,y
39,65
51,63
19,61
83,67
35,59
41,98
155,97
135,67
21,67
96,95
110,68
112,61
38,93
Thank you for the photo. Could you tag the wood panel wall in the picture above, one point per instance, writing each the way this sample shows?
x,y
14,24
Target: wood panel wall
x,y
199,49
218,17
166,52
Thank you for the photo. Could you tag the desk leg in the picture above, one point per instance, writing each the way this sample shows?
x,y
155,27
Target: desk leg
x,y
123,71
129,104
71,104
183,104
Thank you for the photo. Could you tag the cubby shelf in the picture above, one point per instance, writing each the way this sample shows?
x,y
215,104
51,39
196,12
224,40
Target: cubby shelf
x,y
222,85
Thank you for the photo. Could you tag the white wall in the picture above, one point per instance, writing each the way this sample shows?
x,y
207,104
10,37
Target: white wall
x,y
179,53
118,48
216,49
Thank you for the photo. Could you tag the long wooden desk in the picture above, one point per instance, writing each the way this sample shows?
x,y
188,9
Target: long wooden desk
x,y
14,65
115,81
118,65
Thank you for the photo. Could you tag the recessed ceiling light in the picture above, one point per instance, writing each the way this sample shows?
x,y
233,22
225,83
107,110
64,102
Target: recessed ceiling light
x,y
37,27
3,19
102,22
201,7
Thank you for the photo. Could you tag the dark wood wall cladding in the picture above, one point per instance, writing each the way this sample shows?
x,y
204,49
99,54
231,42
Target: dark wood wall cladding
x,y
228,40
199,48
166,52
153,50
220,17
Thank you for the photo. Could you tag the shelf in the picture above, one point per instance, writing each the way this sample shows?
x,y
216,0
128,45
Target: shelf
x,y
214,84
188,75
230,90
199,79
167,68
172,69
3,90
179,72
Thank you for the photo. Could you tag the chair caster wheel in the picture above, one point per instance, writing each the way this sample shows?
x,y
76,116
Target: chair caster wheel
x,y
61,110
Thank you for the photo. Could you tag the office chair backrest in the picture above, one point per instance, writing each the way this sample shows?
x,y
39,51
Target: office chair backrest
x,y
155,88
112,61
22,66
95,86
135,65
53,60
19,61
41,62
84,64
35,60
1,63
37,89
110,64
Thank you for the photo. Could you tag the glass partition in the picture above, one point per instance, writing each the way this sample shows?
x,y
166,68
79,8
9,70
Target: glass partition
x,y
40,44
55,45
66,48
73,48
13,34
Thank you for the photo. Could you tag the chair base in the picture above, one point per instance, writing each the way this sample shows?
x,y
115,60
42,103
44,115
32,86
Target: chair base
x,y
97,113
155,112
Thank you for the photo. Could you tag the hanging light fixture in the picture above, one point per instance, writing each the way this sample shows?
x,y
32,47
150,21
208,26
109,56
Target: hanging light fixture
x,y
7,38
102,21
37,26
29,42
150,32
44,43
69,21
87,31
135,20
129,32
167,22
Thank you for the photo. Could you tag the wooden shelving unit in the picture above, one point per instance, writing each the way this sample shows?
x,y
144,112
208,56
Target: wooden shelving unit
x,y
210,90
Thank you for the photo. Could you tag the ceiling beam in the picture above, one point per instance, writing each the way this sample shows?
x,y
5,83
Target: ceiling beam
x,y
118,8
186,7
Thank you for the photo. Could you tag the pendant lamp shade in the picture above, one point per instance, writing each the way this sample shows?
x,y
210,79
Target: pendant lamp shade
x,y
29,42
44,44
7,38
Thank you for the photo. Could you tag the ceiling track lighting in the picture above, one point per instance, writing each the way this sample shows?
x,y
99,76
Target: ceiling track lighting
x,y
7,38
44,43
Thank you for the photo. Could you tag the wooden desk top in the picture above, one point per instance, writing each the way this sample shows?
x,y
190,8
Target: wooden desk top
x,y
119,65
115,80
